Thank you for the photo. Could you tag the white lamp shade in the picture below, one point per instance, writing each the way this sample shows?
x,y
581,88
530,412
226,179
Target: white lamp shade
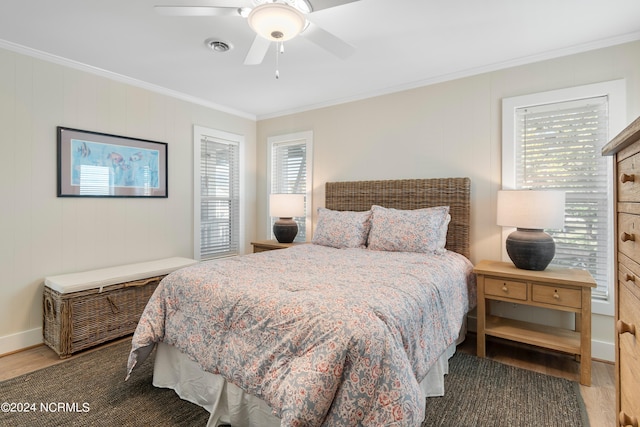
x,y
532,209
276,21
286,205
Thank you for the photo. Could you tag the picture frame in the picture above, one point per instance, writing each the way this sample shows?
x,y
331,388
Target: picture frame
x,y
95,164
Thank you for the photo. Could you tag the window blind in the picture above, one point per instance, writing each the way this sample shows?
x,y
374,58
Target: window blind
x,y
558,146
289,175
219,198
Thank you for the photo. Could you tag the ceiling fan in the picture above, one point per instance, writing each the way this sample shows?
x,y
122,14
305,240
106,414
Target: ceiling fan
x,y
273,21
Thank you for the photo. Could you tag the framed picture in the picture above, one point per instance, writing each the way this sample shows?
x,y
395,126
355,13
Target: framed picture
x,y
92,164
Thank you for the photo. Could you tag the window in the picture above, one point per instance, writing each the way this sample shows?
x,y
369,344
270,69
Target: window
x,y
217,222
554,140
290,172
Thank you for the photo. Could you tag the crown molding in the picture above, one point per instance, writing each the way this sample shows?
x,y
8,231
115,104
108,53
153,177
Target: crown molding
x,y
557,53
38,54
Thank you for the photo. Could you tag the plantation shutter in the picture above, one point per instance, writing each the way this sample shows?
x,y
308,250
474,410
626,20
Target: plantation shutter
x,y
289,175
559,147
219,198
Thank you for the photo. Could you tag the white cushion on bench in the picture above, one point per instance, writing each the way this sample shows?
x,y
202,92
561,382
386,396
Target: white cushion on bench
x,y
76,282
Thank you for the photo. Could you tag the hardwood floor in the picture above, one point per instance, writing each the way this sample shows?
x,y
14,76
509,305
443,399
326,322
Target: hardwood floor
x,y
599,399
32,359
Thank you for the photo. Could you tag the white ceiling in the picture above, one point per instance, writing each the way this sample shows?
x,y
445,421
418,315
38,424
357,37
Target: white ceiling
x,y
399,44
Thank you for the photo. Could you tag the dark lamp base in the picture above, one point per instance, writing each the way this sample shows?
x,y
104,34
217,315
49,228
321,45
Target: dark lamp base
x,y
530,249
285,230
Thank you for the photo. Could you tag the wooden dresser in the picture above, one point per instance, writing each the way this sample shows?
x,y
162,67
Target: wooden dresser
x,y
626,149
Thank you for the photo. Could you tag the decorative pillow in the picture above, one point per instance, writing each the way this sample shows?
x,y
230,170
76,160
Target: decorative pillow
x,y
419,230
342,229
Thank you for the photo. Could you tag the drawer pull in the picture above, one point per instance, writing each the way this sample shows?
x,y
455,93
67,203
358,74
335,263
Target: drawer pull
x,y
629,277
555,295
505,289
627,177
623,327
626,237
626,420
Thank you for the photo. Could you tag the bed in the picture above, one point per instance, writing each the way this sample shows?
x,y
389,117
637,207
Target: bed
x,y
355,328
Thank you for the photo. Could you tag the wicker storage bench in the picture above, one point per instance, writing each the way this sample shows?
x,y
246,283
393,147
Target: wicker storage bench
x,y
81,310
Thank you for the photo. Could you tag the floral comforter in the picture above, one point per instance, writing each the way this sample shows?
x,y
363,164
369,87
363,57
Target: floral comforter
x,y
334,337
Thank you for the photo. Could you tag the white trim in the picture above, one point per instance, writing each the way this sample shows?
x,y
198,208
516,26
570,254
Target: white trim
x,y
603,350
34,53
21,340
615,90
307,137
198,133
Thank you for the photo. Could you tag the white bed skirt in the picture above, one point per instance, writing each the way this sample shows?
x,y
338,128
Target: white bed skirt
x,y
228,404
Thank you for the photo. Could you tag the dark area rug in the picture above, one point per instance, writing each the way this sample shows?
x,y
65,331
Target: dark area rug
x,y
90,391
482,392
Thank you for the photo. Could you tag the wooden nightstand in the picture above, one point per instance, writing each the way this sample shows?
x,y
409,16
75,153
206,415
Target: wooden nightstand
x,y
554,288
270,245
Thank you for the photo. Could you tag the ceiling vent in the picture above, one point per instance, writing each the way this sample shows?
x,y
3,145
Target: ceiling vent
x,y
217,45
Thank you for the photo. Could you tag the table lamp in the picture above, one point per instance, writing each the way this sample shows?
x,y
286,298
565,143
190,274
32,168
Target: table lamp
x,y
531,211
285,207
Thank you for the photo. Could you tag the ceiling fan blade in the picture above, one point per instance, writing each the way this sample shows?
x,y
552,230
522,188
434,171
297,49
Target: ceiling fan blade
x,y
257,51
326,4
196,11
328,41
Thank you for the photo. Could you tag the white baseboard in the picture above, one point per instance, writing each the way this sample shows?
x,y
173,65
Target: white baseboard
x,y
602,350
21,340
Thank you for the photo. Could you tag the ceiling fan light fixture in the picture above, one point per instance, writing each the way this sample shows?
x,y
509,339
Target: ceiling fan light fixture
x,y
276,21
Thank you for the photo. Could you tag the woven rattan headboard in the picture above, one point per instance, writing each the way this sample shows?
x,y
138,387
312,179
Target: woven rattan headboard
x,y
410,194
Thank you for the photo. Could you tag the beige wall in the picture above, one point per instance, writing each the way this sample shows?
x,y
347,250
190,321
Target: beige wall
x,y
447,129
41,234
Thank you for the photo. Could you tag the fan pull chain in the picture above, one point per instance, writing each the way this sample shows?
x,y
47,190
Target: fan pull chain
x,y
280,50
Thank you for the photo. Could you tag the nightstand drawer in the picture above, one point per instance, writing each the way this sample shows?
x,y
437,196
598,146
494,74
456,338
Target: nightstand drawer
x,y
506,288
557,296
